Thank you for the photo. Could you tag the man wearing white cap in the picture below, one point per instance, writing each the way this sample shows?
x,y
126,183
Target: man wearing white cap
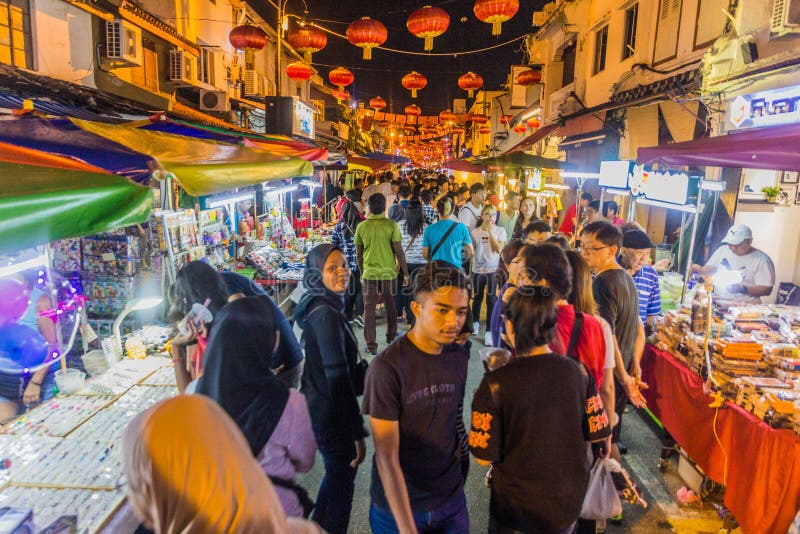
x,y
743,273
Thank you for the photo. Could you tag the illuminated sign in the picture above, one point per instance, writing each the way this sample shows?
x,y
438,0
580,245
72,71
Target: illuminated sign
x,y
614,174
303,119
535,181
765,108
673,187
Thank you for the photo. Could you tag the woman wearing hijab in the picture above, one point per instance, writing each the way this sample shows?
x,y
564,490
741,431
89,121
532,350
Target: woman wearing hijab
x,y
330,383
273,418
190,471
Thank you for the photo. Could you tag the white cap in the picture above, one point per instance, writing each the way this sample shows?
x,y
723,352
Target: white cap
x,y
737,234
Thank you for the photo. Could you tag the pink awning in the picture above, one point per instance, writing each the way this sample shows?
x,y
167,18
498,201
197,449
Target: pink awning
x,y
773,147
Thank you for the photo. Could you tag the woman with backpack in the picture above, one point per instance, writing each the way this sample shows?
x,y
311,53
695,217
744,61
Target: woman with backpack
x,y
332,381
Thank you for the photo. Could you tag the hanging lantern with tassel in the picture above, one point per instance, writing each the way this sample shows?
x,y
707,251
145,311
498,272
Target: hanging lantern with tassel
x,y
250,39
367,33
428,22
495,12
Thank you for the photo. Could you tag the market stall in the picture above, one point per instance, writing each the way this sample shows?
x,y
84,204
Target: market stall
x,y
744,437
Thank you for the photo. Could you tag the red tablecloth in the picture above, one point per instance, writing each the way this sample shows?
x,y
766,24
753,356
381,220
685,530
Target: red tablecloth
x,y
763,472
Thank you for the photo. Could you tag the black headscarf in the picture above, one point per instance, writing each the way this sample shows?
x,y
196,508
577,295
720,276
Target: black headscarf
x,y
314,286
237,373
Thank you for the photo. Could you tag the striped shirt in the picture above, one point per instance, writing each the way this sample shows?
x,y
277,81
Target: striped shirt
x,y
646,281
412,248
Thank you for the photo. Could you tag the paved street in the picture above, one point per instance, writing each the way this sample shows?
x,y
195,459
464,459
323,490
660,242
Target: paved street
x,y
663,514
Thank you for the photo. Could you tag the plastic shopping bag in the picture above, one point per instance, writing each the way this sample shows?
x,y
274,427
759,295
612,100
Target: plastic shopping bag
x,y
602,499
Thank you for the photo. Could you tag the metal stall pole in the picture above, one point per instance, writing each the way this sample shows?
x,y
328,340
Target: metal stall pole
x,y
698,210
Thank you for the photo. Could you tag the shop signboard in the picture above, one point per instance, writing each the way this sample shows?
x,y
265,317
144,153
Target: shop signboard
x,y
615,174
303,119
765,108
672,187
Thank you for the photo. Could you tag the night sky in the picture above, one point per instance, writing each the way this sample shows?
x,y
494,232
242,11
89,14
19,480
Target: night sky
x,y
381,76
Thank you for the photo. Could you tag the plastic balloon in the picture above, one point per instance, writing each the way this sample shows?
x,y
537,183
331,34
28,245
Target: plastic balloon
x,y
21,348
13,300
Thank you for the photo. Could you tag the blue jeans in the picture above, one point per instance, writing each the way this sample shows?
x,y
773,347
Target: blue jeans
x,y
335,496
451,518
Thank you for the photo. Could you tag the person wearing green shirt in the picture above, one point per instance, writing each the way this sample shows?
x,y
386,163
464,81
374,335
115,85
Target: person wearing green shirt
x,y
379,251
508,217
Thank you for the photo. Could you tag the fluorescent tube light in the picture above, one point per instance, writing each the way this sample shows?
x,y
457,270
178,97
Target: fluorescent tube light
x,y
226,201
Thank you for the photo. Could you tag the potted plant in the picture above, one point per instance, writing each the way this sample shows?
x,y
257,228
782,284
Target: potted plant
x,y
772,193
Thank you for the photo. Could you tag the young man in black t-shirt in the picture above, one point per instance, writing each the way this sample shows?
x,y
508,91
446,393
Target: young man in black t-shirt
x,y
532,419
413,392
618,303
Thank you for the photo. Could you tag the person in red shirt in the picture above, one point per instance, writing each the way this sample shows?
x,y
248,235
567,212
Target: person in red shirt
x,y
570,221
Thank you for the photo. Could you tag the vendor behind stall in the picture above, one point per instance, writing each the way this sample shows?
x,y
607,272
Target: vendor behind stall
x,y
740,272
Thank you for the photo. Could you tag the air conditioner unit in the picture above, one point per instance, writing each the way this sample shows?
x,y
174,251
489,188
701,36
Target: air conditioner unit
x,y
124,43
182,68
252,83
785,16
214,101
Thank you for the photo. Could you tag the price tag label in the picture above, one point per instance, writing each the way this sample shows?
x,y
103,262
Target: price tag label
x,y
109,256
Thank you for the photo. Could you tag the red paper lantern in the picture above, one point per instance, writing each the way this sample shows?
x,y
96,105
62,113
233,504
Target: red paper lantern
x,y
529,77
251,39
307,39
414,110
340,77
533,123
384,124
247,37
470,82
377,103
367,33
299,72
414,81
427,23
520,128
457,131
506,119
495,12
446,116
484,130
479,118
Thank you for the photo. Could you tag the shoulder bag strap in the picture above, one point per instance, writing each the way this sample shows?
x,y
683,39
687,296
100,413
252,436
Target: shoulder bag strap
x,y
575,335
442,240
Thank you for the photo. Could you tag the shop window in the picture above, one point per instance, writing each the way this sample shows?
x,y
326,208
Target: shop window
x,y
668,27
631,22
600,46
15,24
568,59
206,71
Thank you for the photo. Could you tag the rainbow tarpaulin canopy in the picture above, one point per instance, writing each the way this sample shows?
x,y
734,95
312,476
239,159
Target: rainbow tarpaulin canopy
x,y
356,163
203,167
60,137
41,204
277,144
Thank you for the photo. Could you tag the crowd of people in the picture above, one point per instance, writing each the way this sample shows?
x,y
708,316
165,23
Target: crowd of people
x,y
569,309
